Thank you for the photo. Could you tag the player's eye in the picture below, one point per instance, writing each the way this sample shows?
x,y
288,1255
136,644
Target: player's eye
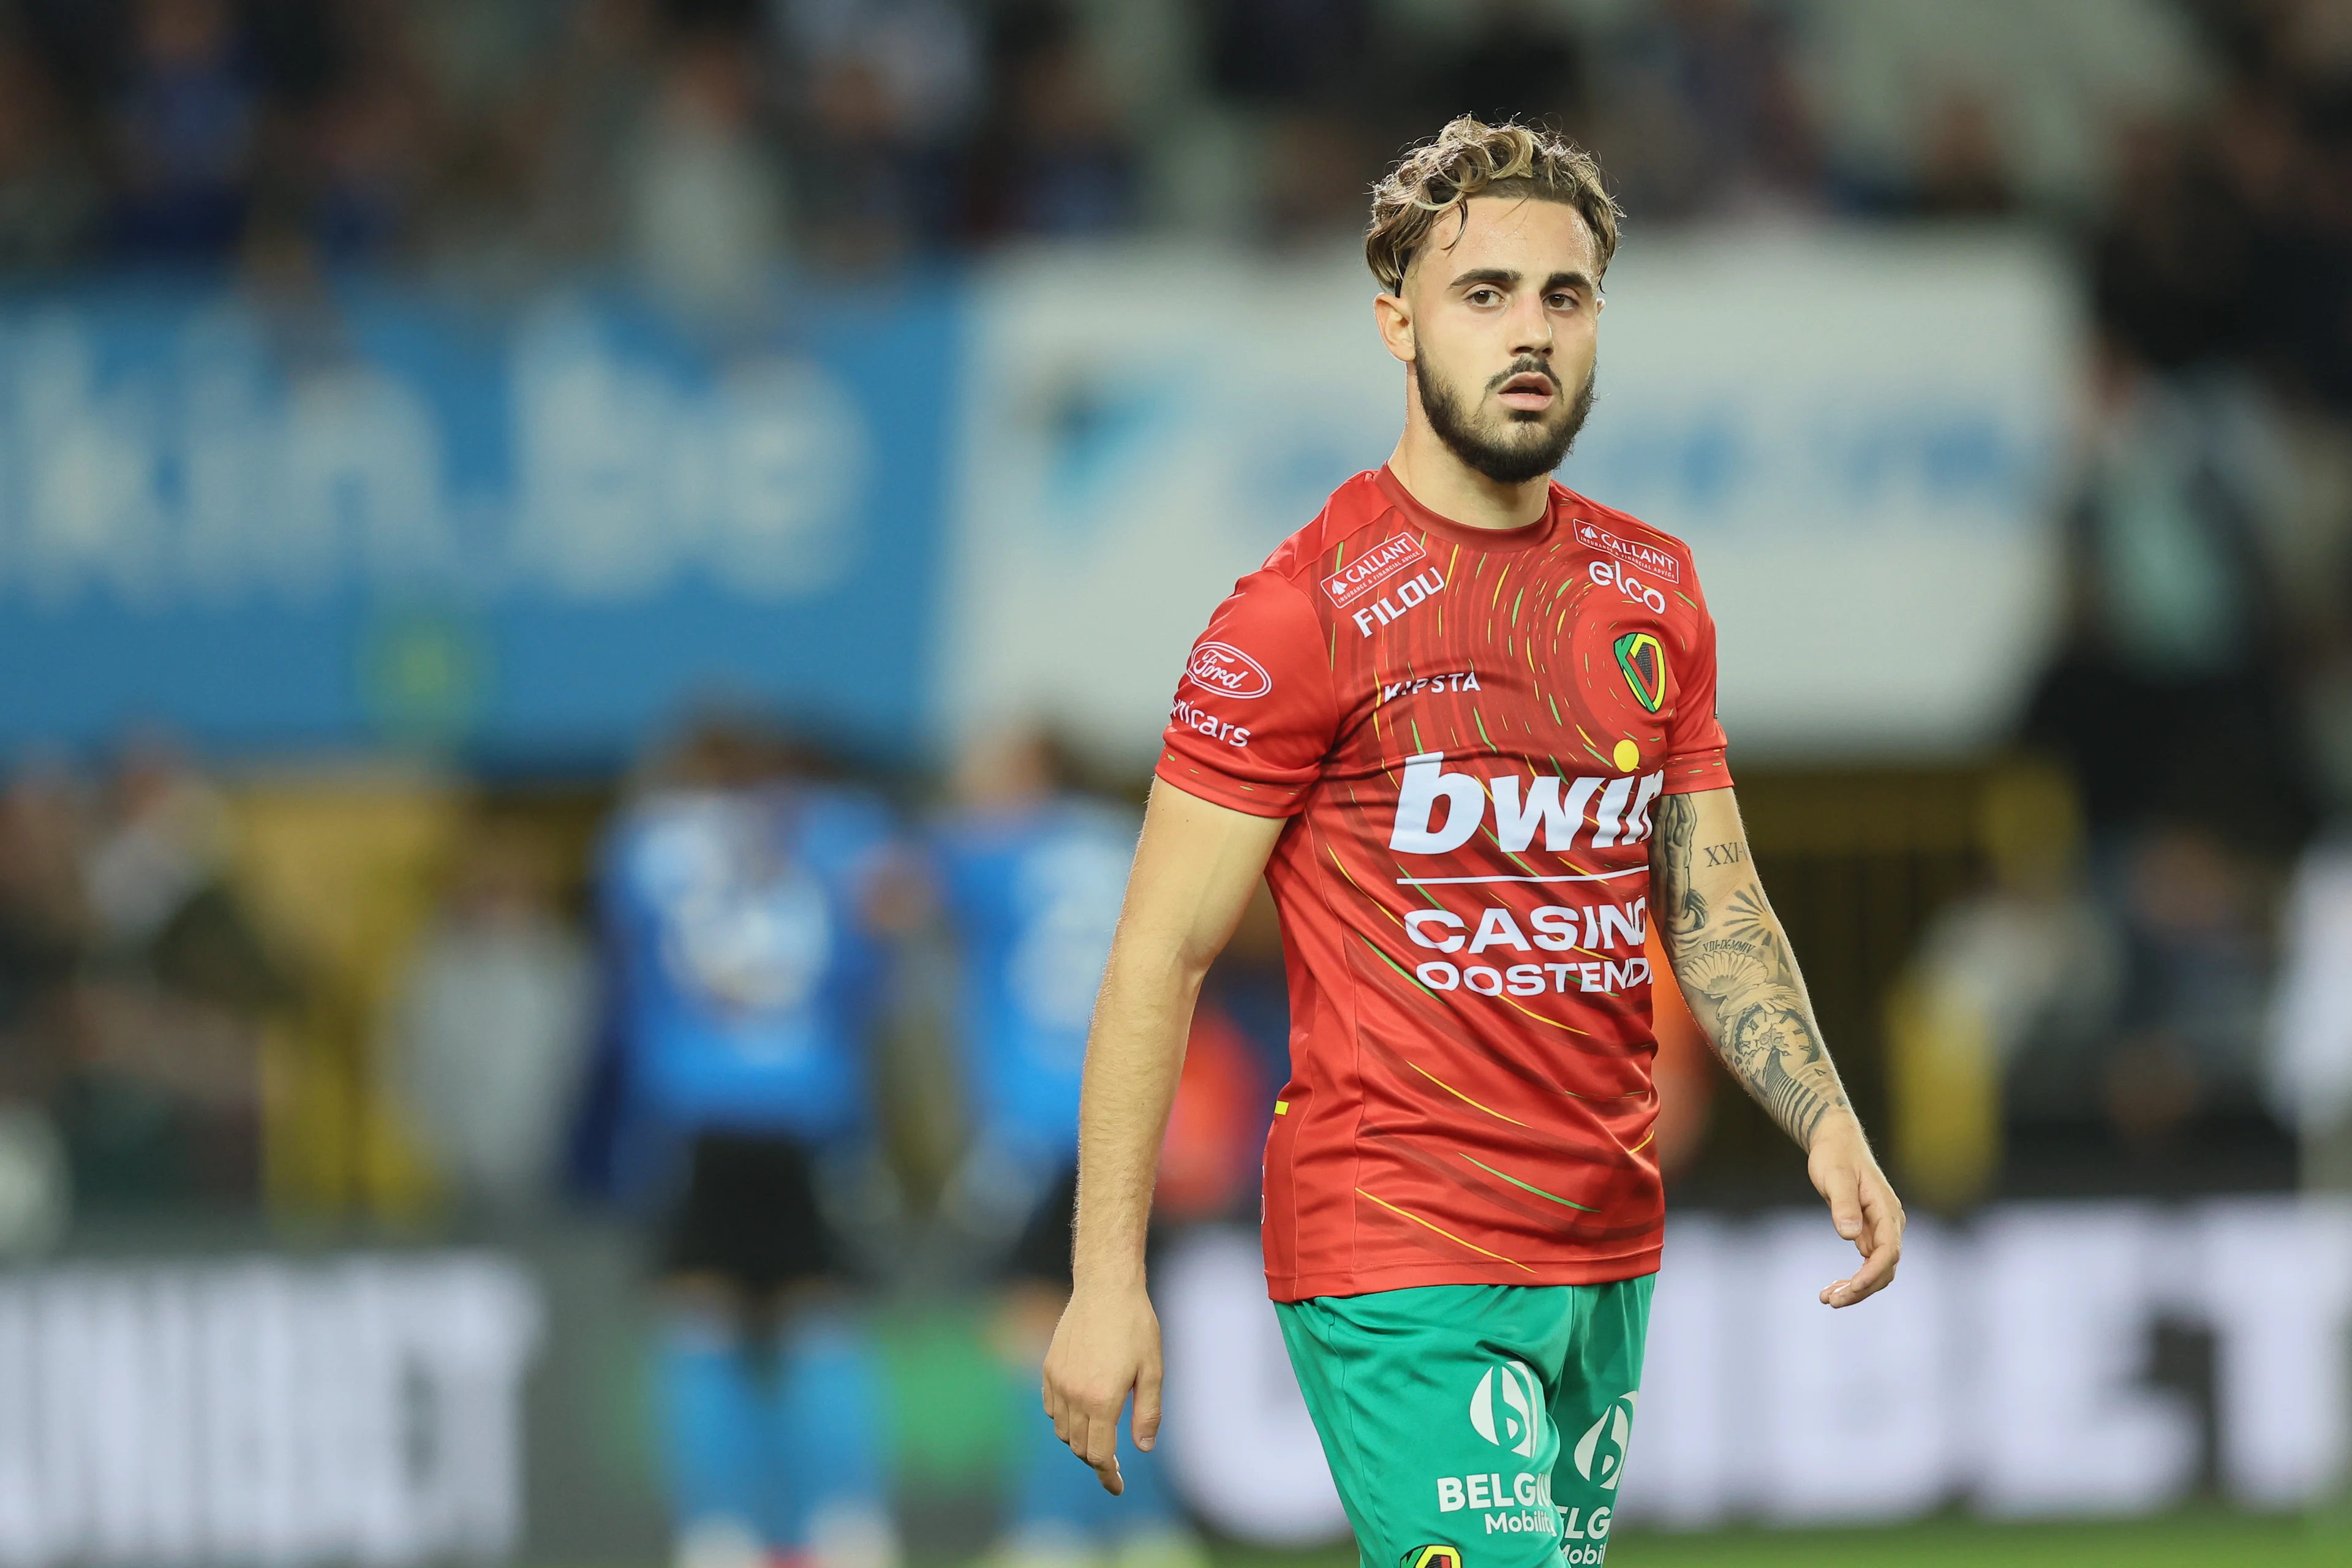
x,y
1483,296
1562,301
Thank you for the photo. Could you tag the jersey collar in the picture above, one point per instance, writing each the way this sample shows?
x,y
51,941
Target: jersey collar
x,y
1494,541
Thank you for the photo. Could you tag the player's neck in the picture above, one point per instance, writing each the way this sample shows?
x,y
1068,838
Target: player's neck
x,y
1434,476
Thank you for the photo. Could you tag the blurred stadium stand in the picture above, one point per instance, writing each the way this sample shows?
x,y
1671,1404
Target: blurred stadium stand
x,y
411,409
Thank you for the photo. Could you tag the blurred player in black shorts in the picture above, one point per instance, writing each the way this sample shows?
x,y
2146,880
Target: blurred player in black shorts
x,y
741,905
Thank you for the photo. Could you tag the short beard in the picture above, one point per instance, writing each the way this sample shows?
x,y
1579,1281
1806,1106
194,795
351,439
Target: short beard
x,y
1528,452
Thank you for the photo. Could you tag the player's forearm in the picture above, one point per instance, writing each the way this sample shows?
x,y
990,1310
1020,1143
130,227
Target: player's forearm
x,y
1744,989
1194,868
1134,1057
1737,972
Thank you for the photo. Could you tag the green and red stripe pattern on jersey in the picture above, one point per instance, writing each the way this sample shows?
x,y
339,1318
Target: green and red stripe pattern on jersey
x,y
1469,730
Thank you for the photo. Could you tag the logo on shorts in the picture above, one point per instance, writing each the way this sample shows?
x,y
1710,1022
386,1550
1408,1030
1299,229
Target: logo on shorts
x,y
1507,1408
1225,669
1599,1453
1435,1555
1644,664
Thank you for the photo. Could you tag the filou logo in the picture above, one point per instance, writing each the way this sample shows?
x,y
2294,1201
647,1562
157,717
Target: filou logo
x,y
1507,1408
1398,600
1599,1453
1228,672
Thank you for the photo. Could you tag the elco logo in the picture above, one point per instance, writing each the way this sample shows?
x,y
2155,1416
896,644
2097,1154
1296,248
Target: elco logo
x,y
1604,572
1507,1408
1227,670
1601,1453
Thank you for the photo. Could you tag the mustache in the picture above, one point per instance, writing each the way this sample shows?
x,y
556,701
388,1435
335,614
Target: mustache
x,y
1527,364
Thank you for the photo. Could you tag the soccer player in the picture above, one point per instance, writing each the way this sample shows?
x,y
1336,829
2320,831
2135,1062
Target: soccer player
x,y
1030,873
743,907
1463,723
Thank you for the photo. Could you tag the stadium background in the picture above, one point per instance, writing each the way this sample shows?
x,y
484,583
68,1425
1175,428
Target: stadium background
x,y
411,412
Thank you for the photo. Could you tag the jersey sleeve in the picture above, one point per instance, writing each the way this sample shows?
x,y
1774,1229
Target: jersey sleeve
x,y
1255,713
1694,739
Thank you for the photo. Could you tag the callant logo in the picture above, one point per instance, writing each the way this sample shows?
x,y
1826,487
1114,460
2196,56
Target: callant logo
x,y
1648,557
1228,672
1375,567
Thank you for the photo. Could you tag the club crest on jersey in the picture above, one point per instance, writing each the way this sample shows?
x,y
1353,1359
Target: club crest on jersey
x,y
1644,661
1437,1555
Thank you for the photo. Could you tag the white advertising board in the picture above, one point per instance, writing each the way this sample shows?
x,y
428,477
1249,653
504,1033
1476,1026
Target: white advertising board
x,y
1856,432
264,1411
2008,1367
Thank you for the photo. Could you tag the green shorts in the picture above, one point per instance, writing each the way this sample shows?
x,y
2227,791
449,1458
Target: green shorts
x,y
1475,1425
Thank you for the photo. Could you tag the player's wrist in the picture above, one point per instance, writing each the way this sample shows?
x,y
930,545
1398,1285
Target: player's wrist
x,y
1108,1279
1838,1126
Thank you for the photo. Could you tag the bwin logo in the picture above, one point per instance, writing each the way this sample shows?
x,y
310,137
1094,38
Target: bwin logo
x,y
1601,1453
1515,1421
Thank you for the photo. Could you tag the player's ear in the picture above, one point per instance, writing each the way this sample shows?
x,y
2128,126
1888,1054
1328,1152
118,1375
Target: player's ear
x,y
1394,319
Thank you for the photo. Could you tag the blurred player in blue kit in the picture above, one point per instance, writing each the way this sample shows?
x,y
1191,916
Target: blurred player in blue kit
x,y
745,907
1031,872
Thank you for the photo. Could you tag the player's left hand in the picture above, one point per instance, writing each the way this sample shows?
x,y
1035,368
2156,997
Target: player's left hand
x,y
1106,1347
1863,1207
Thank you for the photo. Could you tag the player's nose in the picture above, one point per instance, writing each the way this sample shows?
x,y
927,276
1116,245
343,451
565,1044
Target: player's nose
x,y
1531,331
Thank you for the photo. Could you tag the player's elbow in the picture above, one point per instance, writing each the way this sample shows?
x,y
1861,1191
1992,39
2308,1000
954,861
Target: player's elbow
x,y
1154,968
1192,957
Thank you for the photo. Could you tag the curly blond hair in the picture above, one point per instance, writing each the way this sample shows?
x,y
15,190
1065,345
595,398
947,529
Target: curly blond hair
x,y
1471,158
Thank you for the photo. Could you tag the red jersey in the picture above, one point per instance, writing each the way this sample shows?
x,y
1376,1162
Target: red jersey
x,y
1469,731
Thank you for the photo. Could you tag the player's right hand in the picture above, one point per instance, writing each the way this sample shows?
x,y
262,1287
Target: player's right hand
x,y
1863,1207
1106,1346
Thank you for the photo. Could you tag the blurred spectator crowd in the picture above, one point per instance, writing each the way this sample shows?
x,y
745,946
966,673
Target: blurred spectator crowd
x,y
707,142
133,990
2166,940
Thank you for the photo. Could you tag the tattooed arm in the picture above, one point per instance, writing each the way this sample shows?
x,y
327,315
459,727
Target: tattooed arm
x,y
1733,962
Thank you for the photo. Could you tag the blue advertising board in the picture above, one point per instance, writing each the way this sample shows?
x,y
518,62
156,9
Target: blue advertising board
x,y
532,532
